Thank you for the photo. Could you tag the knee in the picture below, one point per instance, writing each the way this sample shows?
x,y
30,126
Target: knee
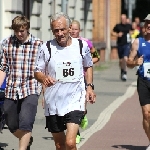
x,y
70,143
146,115
125,59
60,146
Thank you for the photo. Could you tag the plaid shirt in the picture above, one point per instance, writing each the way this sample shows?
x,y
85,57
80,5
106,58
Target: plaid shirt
x,y
18,62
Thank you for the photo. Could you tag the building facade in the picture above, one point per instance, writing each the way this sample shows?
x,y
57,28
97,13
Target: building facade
x,y
91,14
106,13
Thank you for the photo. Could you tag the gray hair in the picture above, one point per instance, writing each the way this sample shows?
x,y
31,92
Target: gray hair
x,y
57,16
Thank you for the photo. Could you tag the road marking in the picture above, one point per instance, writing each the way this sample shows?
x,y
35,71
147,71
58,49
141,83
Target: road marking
x,y
104,116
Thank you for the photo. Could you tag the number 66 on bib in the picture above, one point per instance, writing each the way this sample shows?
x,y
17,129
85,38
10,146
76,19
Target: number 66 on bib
x,y
68,71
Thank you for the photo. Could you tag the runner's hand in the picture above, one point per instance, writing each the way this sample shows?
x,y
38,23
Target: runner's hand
x,y
120,34
140,60
90,95
48,81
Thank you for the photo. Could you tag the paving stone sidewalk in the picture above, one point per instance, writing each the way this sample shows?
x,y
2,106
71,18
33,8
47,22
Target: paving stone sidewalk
x,y
108,88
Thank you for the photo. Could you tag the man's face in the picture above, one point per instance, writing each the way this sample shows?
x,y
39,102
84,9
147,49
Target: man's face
x,y
134,25
21,34
75,31
147,26
61,30
137,20
123,19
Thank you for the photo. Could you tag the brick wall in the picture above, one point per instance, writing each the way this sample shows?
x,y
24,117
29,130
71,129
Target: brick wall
x,y
99,25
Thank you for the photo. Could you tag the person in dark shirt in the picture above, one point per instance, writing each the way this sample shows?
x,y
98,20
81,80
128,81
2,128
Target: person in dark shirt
x,y
122,32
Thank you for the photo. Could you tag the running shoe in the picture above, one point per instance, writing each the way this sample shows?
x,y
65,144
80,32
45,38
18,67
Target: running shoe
x,y
124,77
30,143
78,139
84,123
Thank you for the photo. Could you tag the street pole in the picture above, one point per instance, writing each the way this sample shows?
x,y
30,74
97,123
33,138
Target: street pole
x,y
107,31
26,8
130,9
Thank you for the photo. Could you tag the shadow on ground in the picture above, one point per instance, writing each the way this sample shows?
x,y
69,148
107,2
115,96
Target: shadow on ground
x,y
48,138
129,147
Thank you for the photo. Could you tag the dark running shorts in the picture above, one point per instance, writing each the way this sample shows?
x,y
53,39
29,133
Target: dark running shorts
x,y
56,123
20,114
143,88
123,50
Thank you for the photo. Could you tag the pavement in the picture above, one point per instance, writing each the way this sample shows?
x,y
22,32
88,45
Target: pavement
x,y
115,120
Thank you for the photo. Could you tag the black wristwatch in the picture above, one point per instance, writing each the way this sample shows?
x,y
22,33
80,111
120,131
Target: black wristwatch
x,y
90,84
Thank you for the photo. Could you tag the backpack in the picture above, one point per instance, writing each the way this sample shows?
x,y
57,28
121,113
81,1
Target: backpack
x,y
49,48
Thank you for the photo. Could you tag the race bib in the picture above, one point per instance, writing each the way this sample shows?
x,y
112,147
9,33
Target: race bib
x,y
68,71
128,38
146,70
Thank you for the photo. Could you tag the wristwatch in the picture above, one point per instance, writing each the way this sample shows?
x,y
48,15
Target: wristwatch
x,y
90,84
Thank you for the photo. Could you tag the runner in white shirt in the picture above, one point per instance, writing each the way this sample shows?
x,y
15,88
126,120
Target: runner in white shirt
x,y
60,68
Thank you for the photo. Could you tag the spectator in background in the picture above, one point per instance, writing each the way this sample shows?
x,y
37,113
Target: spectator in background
x,y
122,32
142,30
128,21
135,32
137,21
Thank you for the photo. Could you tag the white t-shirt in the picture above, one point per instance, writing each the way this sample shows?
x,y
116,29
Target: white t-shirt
x,y
66,66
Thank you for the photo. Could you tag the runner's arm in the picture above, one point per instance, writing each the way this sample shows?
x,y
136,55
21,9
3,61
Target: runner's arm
x,y
89,74
95,55
115,31
132,61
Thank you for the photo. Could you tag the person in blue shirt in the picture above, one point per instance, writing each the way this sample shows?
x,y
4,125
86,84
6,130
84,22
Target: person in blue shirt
x,y
140,56
2,96
3,85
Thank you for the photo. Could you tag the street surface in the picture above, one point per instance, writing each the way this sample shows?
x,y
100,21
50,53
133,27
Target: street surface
x,y
115,120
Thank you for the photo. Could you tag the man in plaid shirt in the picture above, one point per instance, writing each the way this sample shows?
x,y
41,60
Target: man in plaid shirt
x,y
19,53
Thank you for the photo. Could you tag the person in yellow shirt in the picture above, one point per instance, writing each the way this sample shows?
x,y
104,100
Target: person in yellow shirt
x,y
135,32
